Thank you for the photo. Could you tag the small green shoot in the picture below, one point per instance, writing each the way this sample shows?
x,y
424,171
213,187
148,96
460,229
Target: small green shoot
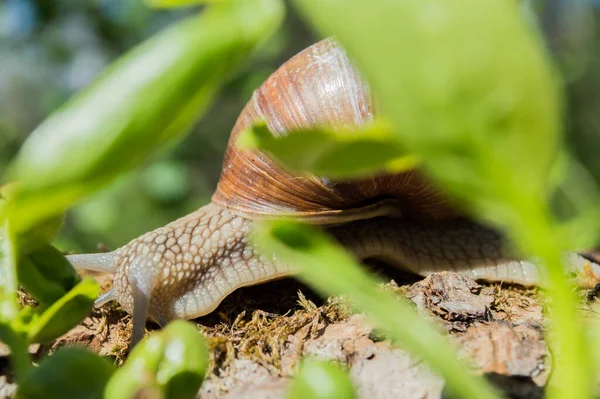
x,y
320,380
330,270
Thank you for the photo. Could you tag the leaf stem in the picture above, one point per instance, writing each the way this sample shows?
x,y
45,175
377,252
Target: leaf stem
x,y
573,364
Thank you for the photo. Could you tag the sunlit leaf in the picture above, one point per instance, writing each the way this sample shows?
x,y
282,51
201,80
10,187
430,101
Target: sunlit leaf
x,y
172,362
36,236
139,371
468,104
65,313
146,100
185,361
320,380
46,274
178,3
333,153
576,200
68,373
16,340
321,263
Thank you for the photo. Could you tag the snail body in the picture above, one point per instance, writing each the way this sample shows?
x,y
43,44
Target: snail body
x,y
184,269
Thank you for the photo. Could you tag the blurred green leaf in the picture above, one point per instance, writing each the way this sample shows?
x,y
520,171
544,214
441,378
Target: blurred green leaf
x,y
16,340
576,201
172,361
167,181
333,153
47,275
68,373
41,234
321,263
8,272
37,236
470,90
468,104
139,371
185,361
11,332
65,313
320,380
146,100
179,3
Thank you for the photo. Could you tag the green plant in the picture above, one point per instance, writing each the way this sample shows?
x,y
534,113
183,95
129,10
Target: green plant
x,y
171,363
491,111
489,103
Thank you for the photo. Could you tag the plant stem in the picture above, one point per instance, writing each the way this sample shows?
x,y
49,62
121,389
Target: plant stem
x,y
19,354
9,314
573,369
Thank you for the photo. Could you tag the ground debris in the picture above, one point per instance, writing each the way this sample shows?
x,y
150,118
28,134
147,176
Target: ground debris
x,y
258,336
506,349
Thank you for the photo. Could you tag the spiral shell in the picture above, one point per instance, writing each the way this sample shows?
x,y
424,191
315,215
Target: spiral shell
x,y
317,87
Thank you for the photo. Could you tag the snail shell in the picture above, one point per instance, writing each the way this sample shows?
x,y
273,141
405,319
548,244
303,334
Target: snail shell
x,y
317,87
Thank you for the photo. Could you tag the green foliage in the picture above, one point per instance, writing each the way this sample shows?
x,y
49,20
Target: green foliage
x,y
320,380
46,274
44,231
333,153
65,313
470,105
8,272
177,3
470,96
171,362
146,100
322,262
69,373
483,113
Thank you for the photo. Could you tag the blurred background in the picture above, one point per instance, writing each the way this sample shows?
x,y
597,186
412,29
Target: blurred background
x,y
51,49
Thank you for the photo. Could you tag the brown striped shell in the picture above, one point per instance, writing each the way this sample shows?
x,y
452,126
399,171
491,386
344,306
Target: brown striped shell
x,y
318,86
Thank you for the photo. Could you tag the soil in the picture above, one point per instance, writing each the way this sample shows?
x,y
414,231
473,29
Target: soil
x,y
258,334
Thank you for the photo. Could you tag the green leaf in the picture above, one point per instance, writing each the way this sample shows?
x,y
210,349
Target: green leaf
x,y
65,313
41,234
320,380
178,3
146,100
467,104
37,236
16,339
8,272
330,270
172,361
183,368
47,275
470,90
139,371
333,153
68,373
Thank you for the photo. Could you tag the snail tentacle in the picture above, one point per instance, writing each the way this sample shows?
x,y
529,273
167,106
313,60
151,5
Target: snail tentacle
x,y
99,262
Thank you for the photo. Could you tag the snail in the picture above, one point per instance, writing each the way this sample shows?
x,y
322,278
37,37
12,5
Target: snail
x,y
184,269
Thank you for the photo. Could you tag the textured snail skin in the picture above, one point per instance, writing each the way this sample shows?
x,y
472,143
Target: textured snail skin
x,y
184,269
191,264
